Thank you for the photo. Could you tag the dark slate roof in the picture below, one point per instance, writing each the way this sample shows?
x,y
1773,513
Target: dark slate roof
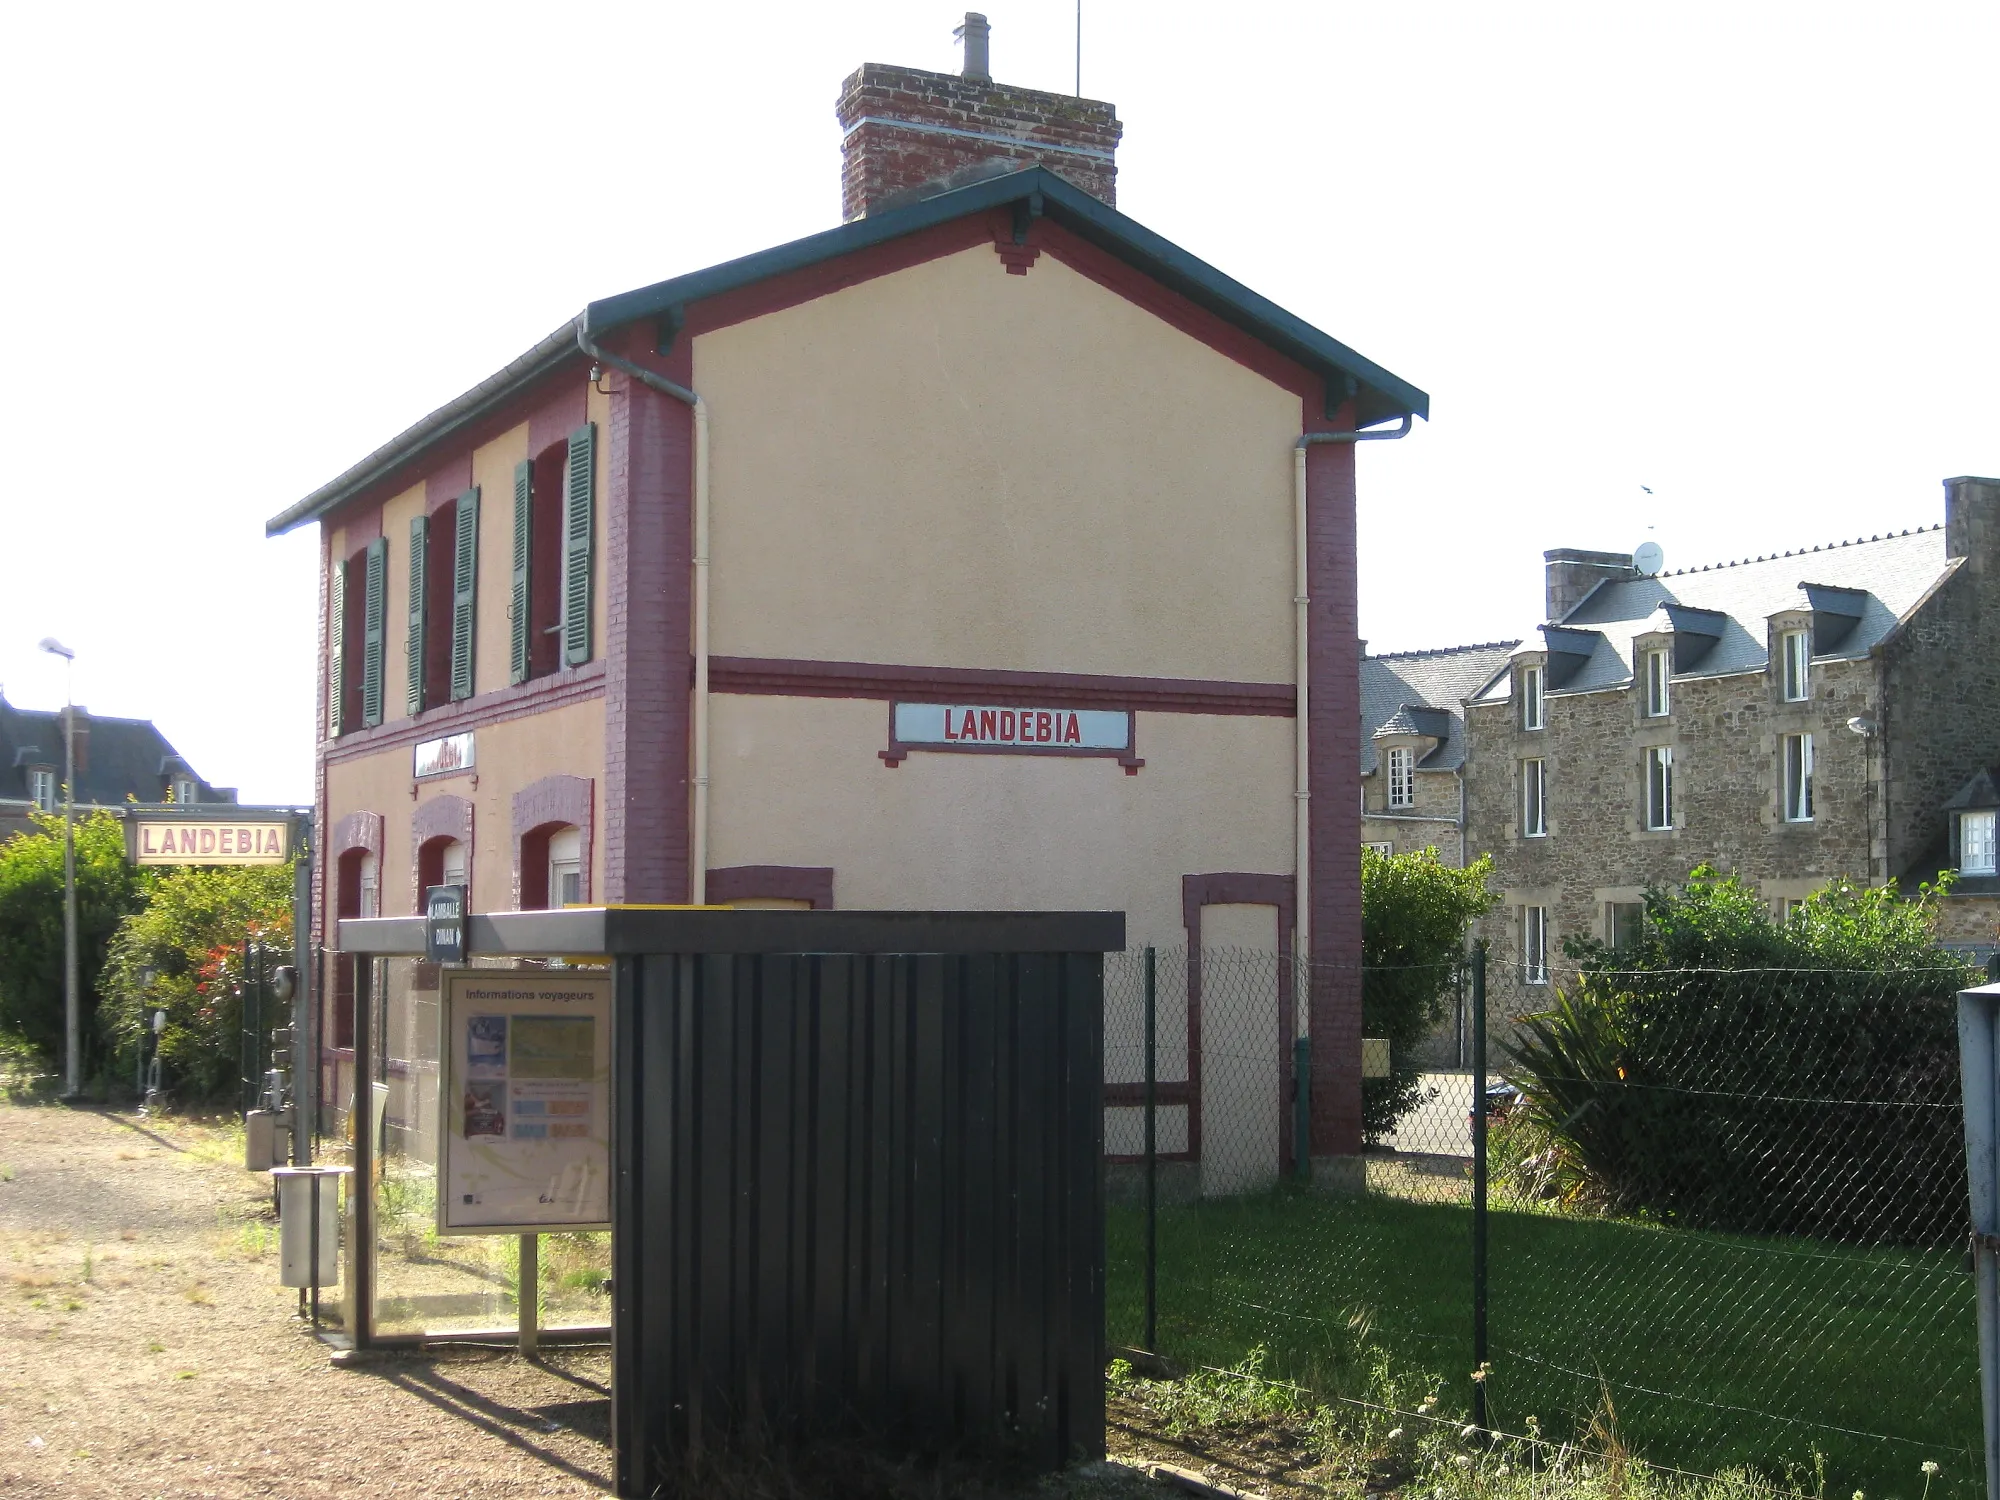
x,y
1982,791
1379,395
1441,680
120,758
1883,577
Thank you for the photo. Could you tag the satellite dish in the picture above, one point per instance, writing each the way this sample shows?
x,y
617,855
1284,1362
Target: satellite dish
x,y
1647,558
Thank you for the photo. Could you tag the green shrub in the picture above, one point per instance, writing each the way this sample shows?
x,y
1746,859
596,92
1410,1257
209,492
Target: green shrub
x,y
1734,1073
1414,913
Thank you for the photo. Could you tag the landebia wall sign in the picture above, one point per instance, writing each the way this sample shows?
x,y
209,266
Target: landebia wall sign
x,y
1011,729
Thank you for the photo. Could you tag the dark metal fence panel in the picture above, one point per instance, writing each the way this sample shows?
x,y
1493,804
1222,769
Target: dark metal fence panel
x,y
859,1194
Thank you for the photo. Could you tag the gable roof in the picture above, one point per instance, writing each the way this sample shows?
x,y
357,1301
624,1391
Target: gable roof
x,y
1439,680
1378,395
1871,582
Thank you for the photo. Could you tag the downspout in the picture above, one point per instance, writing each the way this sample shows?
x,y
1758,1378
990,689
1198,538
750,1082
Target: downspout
x,y
698,855
1302,722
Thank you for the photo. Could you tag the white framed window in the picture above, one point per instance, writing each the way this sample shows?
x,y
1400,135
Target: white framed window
x,y
1385,849
1798,778
42,788
451,864
371,887
1534,799
1660,787
1659,672
1534,945
1402,777
1787,908
1531,698
186,792
1795,650
1976,845
1624,924
566,867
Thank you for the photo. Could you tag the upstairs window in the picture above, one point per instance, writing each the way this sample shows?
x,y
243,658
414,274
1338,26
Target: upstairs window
x,y
1402,777
42,787
357,593
1976,852
1534,799
1795,647
1659,670
1386,849
566,867
186,792
1660,788
1534,945
1798,787
1531,697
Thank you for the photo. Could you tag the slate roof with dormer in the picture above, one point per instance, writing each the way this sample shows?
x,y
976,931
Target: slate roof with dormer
x,y
1403,691
1872,582
117,758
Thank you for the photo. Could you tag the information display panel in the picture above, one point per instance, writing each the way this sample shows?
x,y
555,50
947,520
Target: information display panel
x,y
526,1089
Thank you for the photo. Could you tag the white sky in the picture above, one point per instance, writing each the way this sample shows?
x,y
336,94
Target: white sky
x,y
1744,255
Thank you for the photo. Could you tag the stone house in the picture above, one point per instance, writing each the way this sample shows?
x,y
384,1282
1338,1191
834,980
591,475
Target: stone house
x,y
1790,719
117,761
1413,745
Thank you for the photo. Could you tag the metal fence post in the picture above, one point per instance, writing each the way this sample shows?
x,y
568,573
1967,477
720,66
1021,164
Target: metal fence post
x,y
528,1293
1302,1108
1152,1166
1479,1184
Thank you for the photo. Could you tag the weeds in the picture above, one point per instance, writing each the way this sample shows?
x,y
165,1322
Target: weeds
x,y
6,1173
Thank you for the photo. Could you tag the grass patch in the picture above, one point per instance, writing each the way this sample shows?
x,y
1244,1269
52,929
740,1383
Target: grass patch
x,y
1720,1352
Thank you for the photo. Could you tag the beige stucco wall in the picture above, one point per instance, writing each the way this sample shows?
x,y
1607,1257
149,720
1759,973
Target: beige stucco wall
x,y
796,781
952,466
512,754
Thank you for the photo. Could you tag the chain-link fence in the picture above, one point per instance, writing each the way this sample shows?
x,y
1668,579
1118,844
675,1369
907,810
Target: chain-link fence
x,y
1723,1213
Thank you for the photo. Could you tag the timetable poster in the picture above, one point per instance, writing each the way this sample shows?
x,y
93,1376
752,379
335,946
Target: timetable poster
x,y
526,1091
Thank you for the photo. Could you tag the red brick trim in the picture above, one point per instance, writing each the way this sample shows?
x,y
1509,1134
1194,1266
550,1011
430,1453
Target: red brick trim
x,y
1333,667
571,685
553,802
647,580
812,884
780,677
358,830
1236,889
444,484
1016,256
445,817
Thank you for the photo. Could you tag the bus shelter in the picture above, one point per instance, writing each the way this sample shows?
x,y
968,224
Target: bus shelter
x,y
844,1169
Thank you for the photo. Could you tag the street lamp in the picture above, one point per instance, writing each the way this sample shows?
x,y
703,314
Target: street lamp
x,y
72,1012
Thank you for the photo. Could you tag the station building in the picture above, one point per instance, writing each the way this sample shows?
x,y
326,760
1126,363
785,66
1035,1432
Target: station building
x,y
951,558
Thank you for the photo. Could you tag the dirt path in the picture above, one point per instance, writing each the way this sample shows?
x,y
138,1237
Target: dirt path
x,y
146,1348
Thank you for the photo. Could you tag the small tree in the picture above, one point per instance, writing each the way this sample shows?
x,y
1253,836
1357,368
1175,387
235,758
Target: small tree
x,y
31,928
1415,910
191,935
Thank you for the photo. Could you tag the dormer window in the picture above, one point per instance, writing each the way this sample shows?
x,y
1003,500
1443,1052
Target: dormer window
x,y
186,792
1531,698
1402,776
1659,671
1795,655
42,787
1976,848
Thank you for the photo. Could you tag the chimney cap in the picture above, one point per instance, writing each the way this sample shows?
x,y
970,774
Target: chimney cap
x,y
974,34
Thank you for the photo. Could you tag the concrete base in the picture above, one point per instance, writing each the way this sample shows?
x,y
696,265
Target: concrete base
x,y
1177,1182
1340,1176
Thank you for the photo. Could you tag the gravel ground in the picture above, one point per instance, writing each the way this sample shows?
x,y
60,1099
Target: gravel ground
x,y
146,1349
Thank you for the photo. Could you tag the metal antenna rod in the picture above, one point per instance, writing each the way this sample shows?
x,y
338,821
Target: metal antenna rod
x,y
1079,49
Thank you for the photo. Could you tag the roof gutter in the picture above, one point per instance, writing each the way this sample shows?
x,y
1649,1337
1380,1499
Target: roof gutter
x,y
1302,720
698,855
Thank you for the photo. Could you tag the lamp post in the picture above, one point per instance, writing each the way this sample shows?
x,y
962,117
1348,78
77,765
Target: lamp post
x,y
72,1011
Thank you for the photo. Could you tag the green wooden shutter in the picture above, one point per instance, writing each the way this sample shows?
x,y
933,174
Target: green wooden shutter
x,y
336,643
464,593
577,533
518,609
420,556
374,630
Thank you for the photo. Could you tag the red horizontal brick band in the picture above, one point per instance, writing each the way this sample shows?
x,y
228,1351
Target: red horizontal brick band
x,y
780,677
533,697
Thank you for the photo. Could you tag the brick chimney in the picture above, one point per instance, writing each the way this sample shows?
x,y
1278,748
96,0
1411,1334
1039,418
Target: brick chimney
x,y
907,133
1570,573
